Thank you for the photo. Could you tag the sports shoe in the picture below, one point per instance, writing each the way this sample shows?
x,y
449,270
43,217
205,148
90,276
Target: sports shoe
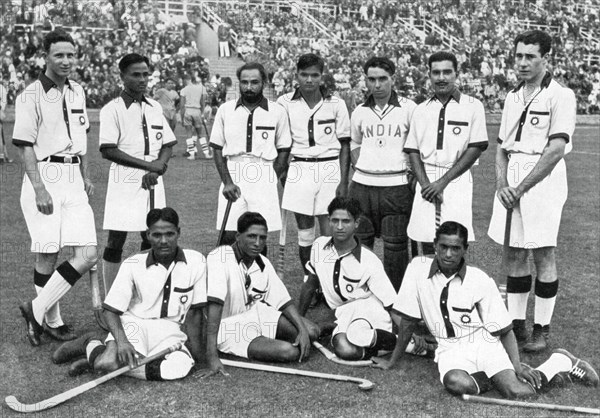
x,y
79,367
75,348
581,370
538,340
34,330
520,330
61,333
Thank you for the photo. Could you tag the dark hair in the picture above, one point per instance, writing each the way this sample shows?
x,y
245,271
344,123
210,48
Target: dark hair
x,y
308,60
253,66
131,59
248,219
165,214
352,206
57,35
380,62
443,56
538,37
453,228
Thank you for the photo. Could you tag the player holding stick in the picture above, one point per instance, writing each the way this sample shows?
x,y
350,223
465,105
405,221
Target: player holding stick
x,y
536,133
50,133
463,309
447,135
250,312
136,137
355,285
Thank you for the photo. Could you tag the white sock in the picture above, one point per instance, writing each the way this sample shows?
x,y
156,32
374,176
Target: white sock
x,y
517,304
52,317
55,289
544,308
556,363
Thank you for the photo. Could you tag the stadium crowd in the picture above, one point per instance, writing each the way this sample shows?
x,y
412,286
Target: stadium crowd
x,y
275,35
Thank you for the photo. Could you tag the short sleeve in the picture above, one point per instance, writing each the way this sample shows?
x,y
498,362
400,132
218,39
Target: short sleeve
x,y
564,113
217,135
277,296
121,291
355,129
407,301
109,127
342,121
217,275
478,137
26,118
283,138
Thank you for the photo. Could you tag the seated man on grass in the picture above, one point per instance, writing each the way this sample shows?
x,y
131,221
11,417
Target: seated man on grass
x,y
463,309
250,312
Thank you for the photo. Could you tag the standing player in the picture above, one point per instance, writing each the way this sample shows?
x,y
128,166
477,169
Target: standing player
x,y
320,129
251,142
136,137
447,135
354,284
463,309
250,312
50,132
193,100
168,98
535,134
380,182
150,299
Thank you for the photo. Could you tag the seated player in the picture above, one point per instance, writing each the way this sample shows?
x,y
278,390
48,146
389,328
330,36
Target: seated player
x,y
148,302
463,309
355,285
250,312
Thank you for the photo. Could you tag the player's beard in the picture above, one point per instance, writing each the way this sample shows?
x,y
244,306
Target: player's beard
x,y
251,97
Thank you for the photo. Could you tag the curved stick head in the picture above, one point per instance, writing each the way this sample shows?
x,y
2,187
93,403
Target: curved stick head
x,y
366,385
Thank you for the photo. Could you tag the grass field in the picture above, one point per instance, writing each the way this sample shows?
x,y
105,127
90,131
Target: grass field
x,y
413,389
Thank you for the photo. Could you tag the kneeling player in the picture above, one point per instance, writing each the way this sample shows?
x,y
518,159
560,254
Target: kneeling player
x,y
463,309
148,302
355,285
250,312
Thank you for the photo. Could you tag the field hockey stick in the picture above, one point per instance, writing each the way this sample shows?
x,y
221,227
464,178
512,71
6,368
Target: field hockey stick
x,y
280,264
15,405
224,223
533,405
506,244
332,357
363,384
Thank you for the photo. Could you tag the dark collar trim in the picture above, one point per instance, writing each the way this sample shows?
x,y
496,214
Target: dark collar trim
x,y
238,257
128,99
179,256
545,82
356,251
264,103
462,269
455,95
370,102
47,82
325,93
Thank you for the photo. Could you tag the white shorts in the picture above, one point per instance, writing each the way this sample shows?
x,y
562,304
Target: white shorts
x,y
472,354
369,309
72,220
149,336
536,219
457,206
238,331
127,204
257,181
310,187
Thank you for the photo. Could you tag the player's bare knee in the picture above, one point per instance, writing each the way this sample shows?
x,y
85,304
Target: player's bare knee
x,y
458,382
